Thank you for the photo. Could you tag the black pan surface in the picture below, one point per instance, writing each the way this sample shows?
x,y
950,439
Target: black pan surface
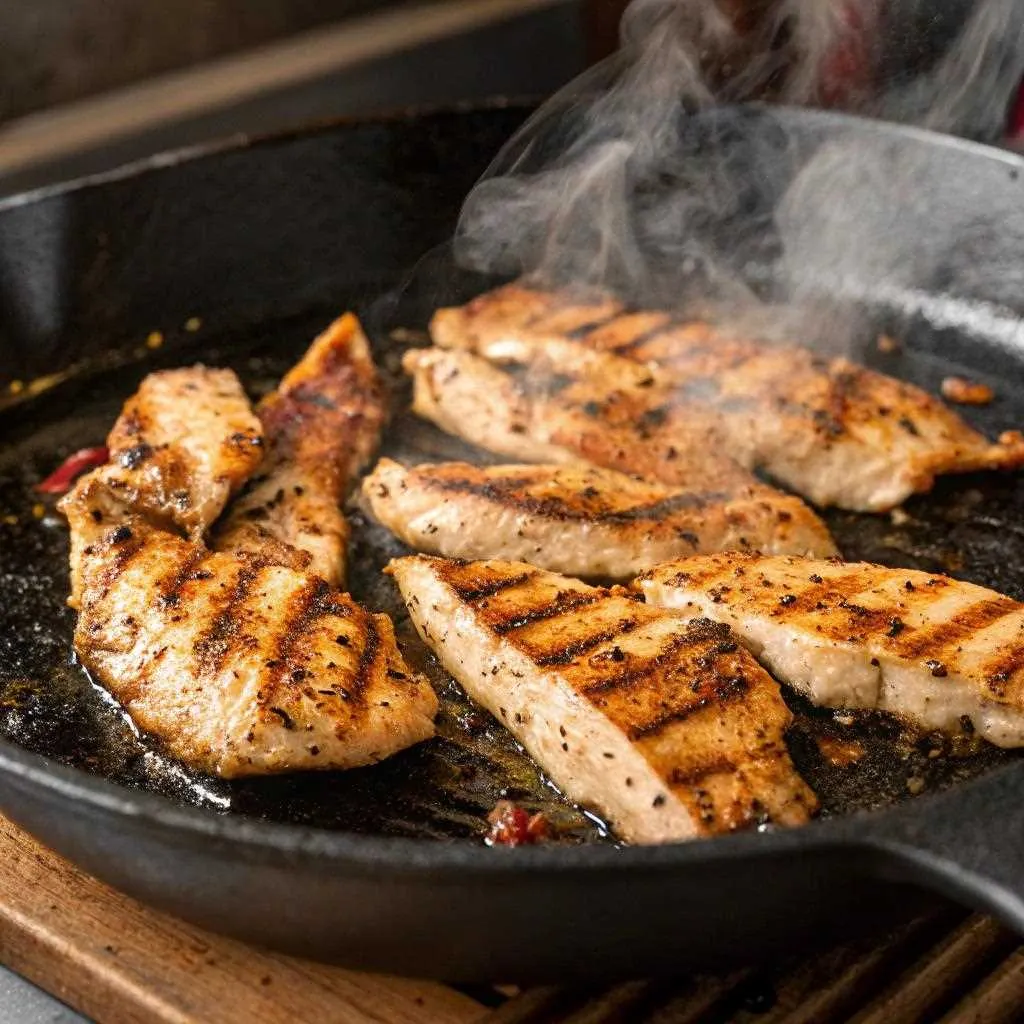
x,y
262,245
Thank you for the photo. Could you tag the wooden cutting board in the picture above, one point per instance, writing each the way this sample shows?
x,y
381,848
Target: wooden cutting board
x,y
119,962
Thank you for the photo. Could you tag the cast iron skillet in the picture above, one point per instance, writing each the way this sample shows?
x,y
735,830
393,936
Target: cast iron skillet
x,y
385,868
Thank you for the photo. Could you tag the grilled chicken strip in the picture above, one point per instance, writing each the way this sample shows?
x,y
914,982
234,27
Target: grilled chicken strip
x,y
184,442
578,520
670,729
942,654
539,416
321,425
237,666
535,413
834,431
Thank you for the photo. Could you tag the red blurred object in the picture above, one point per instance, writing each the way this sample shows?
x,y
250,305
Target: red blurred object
x,y
847,72
61,479
512,826
1015,130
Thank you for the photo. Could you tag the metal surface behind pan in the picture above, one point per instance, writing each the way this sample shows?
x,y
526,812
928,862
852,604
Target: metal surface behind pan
x,y
385,867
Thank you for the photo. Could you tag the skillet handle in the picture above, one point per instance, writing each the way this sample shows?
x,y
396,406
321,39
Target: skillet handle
x,y
967,843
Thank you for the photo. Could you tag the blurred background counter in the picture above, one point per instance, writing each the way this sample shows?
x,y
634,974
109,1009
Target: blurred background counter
x,y
90,84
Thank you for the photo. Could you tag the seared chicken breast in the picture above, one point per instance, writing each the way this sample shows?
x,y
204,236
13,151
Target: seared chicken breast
x,y
184,442
943,654
527,413
321,425
236,666
668,728
578,520
834,431
532,414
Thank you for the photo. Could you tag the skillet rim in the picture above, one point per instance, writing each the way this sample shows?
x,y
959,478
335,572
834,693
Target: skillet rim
x,y
867,830
863,829
238,142
241,141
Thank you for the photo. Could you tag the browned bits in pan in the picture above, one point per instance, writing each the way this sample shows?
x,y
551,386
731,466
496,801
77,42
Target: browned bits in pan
x,y
966,392
840,753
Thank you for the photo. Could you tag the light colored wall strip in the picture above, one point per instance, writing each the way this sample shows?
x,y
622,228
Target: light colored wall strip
x,y
78,126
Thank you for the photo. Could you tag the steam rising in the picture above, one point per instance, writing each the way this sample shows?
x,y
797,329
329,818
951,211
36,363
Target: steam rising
x,y
644,177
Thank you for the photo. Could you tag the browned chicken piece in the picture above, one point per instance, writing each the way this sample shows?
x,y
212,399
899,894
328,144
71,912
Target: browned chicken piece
x,y
836,432
943,654
507,316
669,729
539,416
321,426
247,661
236,666
533,413
578,520
184,442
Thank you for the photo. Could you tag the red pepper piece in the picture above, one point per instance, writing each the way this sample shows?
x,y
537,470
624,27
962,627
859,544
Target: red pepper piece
x,y
512,826
61,479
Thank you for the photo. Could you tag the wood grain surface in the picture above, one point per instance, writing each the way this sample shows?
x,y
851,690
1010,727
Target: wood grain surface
x,y
121,963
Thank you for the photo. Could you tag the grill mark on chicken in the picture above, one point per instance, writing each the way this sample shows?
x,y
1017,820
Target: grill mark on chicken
x,y
563,604
642,339
998,670
169,588
834,594
830,416
938,637
591,326
126,545
834,591
563,317
638,673
367,658
213,644
734,690
495,490
504,492
535,317
306,607
572,650
474,593
694,776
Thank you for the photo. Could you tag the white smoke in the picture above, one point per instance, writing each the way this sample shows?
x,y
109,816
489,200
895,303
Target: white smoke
x,y
646,178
